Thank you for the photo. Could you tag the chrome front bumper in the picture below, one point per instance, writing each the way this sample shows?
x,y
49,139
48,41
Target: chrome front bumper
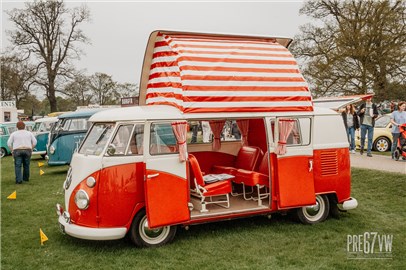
x,y
86,232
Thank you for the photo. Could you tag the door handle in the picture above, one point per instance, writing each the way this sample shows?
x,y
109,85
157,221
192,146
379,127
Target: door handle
x,y
149,176
310,165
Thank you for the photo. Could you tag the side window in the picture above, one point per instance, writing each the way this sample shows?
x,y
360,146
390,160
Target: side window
x,y
231,132
120,140
162,139
65,125
2,131
300,134
294,136
78,124
137,141
200,132
11,129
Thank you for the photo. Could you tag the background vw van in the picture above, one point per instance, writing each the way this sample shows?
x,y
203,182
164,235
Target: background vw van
x,y
41,130
66,136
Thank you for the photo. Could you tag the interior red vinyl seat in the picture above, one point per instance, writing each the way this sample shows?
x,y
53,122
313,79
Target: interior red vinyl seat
x,y
203,190
258,179
247,159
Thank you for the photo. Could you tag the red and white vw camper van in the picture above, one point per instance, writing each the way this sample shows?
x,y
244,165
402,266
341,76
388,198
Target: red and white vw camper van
x,y
225,129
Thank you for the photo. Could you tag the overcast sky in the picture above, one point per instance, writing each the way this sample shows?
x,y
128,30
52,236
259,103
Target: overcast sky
x,y
119,30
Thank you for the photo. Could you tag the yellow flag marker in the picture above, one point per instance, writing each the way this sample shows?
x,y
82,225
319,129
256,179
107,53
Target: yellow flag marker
x,y
41,172
40,164
43,237
12,196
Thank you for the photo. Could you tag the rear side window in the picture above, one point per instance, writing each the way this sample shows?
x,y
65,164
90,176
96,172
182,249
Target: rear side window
x,y
300,133
75,124
162,139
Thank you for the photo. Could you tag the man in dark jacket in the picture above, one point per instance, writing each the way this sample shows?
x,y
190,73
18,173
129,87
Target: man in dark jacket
x,y
367,113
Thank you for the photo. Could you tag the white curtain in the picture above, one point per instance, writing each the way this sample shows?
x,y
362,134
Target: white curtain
x,y
285,128
180,131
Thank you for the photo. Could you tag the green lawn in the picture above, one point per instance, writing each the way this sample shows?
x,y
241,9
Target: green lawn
x,y
252,243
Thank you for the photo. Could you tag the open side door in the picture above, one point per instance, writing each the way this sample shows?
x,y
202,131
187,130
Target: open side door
x,y
166,185
295,181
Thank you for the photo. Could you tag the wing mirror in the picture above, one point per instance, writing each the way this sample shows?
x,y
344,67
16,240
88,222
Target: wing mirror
x,y
111,150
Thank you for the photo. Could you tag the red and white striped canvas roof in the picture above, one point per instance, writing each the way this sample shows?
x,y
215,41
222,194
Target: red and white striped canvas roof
x,y
198,73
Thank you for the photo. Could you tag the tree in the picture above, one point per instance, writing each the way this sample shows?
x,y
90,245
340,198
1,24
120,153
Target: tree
x,y
49,31
16,79
32,106
79,90
355,46
127,90
103,88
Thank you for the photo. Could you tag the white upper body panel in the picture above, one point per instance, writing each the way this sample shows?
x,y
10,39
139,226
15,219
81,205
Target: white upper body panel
x,y
166,112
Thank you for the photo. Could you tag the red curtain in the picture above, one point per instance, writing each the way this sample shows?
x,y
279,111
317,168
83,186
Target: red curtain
x,y
217,127
285,128
243,125
180,131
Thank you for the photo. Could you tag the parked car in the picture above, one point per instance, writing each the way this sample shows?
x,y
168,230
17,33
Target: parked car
x,y
382,139
5,131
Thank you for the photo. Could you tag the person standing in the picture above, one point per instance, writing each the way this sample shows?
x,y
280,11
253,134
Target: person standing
x,y
206,130
351,124
194,126
21,143
367,113
397,118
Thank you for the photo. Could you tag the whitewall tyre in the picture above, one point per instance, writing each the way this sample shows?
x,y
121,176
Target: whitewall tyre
x,y
142,236
315,213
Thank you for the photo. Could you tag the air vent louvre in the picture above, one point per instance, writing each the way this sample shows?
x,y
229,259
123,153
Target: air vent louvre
x,y
329,163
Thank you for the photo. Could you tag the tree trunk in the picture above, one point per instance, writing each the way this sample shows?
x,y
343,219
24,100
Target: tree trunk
x,y
52,99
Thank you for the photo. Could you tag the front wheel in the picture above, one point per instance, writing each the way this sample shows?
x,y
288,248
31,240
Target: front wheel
x,y
3,152
382,144
315,213
142,236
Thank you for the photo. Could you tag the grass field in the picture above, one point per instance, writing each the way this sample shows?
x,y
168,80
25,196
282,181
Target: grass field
x,y
252,243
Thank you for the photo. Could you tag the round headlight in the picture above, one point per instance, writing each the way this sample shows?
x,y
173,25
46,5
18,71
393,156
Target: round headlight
x,y
82,199
90,181
51,150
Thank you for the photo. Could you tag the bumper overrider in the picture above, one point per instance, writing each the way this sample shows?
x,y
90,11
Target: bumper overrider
x,y
349,204
85,232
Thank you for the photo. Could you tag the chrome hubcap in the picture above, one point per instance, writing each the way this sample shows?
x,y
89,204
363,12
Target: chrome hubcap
x,y
152,236
382,145
315,212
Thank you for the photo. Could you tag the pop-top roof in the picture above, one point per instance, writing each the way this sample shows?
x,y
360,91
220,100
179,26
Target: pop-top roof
x,y
222,73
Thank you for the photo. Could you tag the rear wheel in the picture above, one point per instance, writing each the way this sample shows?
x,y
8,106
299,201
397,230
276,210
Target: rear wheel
x,y
382,144
3,152
315,213
142,236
